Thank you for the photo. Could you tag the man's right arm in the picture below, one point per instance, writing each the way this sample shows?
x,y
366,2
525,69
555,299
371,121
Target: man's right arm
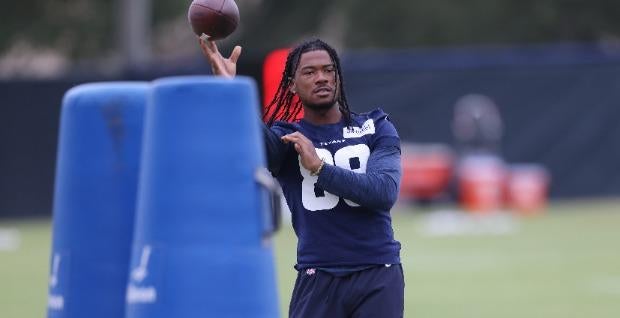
x,y
275,149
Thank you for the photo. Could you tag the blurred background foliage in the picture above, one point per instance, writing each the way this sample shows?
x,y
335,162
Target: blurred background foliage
x,y
89,28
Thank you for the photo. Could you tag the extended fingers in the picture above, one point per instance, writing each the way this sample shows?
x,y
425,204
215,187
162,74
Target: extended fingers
x,y
234,56
208,47
203,45
212,46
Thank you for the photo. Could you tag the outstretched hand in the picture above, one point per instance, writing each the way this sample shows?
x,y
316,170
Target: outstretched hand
x,y
226,67
304,147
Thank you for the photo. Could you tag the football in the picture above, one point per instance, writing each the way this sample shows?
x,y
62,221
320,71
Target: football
x,y
216,19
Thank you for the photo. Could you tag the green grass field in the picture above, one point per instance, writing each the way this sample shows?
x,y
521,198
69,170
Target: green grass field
x,y
564,263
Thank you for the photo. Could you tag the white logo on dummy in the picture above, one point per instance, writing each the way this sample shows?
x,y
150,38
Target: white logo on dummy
x,y
368,128
55,301
137,294
139,273
54,275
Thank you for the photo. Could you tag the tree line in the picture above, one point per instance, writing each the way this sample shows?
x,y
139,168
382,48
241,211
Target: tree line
x,y
88,28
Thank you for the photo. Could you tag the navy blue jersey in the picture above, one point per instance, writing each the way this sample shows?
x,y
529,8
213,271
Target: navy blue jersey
x,y
342,216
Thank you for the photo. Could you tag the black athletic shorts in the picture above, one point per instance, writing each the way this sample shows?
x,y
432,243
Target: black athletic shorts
x,y
374,292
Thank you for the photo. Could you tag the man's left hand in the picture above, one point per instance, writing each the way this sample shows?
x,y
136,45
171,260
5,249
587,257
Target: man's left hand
x,y
304,147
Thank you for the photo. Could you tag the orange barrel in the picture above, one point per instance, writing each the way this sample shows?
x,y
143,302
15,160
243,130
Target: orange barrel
x,y
427,169
527,188
481,181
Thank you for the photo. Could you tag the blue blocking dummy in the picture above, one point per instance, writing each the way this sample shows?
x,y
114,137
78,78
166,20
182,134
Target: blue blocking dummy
x,y
95,199
201,247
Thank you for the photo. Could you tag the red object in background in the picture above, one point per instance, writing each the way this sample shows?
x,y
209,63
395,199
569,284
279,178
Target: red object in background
x,y
427,170
273,67
527,188
481,180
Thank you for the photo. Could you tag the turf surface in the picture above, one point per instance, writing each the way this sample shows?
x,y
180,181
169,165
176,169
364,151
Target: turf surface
x,y
564,263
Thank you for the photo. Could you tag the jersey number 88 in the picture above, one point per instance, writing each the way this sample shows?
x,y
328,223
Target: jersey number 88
x,y
352,158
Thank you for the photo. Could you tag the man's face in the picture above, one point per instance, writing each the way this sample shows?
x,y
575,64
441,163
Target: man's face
x,y
315,80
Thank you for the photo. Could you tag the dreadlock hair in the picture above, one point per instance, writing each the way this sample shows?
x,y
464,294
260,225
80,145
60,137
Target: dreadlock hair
x,y
282,107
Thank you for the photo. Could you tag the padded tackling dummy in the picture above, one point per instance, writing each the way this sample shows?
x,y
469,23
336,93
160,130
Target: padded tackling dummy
x,y
202,245
95,196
